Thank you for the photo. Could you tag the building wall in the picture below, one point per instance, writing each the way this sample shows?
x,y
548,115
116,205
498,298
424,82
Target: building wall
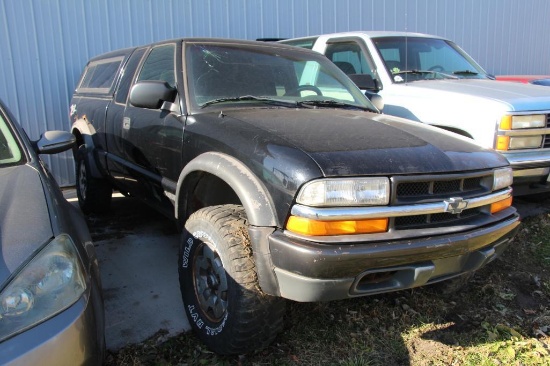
x,y
44,44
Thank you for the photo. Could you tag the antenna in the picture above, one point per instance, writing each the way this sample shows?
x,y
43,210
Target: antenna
x,y
406,47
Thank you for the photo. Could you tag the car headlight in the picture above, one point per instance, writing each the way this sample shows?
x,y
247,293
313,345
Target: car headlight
x,y
502,178
345,192
51,282
524,121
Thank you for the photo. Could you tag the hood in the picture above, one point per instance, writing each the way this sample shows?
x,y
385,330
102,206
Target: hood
x,y
517,97
24,217
355,143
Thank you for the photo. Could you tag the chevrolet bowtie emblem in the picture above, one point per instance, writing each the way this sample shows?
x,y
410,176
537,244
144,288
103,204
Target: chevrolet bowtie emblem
x,y
455,205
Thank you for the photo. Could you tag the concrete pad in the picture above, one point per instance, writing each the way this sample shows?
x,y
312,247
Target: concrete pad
x,y
137,250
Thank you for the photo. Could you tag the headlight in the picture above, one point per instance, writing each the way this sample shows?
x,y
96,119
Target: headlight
x,y
525,142
51,282
502,178
525,121
346,192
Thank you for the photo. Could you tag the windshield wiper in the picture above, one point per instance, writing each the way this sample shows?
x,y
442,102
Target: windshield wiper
x,y
279,102
465,72
333,103
422,72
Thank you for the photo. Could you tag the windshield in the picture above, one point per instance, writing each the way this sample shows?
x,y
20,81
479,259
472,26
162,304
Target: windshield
x,y
222,75
10,152
417,58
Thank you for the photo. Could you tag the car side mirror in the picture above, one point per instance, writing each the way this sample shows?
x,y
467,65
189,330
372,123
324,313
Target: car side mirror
x,y
151,94
53,142
376,100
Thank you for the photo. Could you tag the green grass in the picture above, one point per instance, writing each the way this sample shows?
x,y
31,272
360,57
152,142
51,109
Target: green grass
x,y
501,318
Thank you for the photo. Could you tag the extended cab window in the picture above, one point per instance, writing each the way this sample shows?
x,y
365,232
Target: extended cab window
x,y
159,65
100,75
127,75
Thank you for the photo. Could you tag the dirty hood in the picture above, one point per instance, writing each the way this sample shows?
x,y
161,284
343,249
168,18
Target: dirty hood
x,y
352,142
516,96
24,217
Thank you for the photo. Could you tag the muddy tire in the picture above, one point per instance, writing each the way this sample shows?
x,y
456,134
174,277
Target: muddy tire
x,y
219,285
94,195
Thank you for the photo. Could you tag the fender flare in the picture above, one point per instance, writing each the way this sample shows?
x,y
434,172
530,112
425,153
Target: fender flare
x,y
87,146
252,193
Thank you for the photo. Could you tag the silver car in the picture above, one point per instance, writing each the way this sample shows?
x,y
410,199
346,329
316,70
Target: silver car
x,y
51,306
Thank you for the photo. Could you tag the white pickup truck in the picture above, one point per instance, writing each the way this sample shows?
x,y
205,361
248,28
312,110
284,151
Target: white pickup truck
x,y
431,80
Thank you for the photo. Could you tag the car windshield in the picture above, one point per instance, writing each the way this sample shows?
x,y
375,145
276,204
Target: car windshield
x,y
417,58
223,75
10,151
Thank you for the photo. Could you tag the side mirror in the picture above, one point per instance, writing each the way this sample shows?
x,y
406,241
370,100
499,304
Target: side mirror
x,y
151,94
376,100
364,82
53,142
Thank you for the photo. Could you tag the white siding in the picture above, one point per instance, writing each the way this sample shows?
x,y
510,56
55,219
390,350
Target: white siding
x,y
44,44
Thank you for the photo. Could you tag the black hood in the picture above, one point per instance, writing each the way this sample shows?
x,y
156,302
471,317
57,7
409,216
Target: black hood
x,y
24,217
355,143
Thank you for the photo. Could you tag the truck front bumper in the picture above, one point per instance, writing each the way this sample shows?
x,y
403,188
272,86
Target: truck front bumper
x,y
309,271
531,170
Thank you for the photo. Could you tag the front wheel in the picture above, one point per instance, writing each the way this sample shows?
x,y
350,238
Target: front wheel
x,y
219,285
94,194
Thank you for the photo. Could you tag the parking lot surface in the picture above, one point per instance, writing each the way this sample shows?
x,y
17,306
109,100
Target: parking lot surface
x,y
137,250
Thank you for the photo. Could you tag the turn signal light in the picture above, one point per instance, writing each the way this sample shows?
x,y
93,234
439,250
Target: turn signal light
x,y
301,225
503,143
501,205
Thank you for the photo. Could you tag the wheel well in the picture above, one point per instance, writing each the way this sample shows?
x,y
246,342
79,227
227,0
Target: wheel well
x,y
79,140
202,190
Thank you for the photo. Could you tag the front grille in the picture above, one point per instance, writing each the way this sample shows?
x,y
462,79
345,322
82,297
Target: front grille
x,y
435,220
425,189
435,188
546,142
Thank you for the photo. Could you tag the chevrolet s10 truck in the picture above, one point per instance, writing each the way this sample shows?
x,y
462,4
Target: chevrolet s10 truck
x,y
286,181
430,79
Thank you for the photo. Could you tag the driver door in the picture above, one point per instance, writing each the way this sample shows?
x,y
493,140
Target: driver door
x,y
154,137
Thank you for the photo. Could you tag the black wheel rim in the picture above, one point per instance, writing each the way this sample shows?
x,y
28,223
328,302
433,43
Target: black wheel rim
x,y
82,180
210,283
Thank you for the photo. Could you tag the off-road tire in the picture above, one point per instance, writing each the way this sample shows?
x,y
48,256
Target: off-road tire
x,y
219,285
94,194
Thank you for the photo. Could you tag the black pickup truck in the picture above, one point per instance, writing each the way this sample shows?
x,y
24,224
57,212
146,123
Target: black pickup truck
x,y
286,181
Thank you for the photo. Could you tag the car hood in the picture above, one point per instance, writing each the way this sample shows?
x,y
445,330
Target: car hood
x,y
24,218
353,143
517,97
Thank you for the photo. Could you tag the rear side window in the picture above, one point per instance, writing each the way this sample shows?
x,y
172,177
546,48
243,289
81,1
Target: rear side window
x,y
100,75
127,74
